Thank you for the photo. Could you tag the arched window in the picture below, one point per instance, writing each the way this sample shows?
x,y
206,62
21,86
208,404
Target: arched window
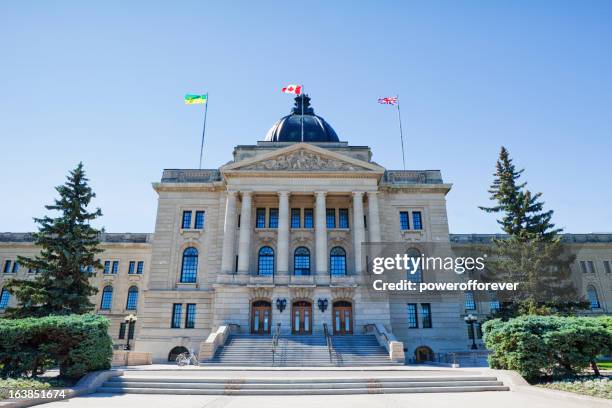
x,y
4,298
265,264
189,267
132,299
593,298
107,298
337,261
414,271
301,262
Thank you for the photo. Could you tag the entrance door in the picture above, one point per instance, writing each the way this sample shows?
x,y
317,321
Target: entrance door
x,y
261,316
343,317
302,318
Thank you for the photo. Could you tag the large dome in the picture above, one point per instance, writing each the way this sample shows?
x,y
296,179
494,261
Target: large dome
x,y
289,128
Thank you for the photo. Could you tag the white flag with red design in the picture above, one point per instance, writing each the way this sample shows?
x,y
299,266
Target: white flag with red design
x,y
292,89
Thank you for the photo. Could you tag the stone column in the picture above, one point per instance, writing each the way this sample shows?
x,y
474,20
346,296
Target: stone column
x,y
244,240
229,233
282,243
320,234
358,229
373,217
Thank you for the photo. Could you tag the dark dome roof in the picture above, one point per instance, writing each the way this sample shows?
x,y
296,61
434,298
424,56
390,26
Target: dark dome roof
x,y
289,128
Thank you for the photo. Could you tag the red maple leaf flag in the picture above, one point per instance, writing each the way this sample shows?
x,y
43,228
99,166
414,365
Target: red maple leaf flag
x,y
292,89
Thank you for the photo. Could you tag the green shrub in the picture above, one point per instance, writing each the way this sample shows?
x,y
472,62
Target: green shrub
x,y
539,346
76,343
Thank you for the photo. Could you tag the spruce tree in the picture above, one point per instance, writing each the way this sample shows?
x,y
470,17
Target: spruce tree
x,y
532,253
68,251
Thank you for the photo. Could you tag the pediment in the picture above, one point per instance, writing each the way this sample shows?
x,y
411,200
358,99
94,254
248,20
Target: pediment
x,y
302,157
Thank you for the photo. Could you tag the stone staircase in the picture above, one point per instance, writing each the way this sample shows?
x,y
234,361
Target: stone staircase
x,y
287,385
302,351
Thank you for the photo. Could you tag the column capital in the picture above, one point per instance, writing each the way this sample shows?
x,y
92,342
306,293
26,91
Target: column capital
x,y
372,193
231,192
321,193
358,193
284,193
247,193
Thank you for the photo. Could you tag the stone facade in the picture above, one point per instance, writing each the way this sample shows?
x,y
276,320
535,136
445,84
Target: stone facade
x,y
273,182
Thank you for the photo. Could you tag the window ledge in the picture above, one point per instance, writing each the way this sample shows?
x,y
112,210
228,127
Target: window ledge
x,y
183,285
191,231
302,229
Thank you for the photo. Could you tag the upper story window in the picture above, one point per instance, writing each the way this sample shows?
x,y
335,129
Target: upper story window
x,y
591,266
417,222
140,267
404,220
470,303
308,218
494,303
5,297
265,261
115,267
132,268
190,315
7,266
607,267
273,218
132,299
330,217
413,322
177,311
296,218
189,266
593,298
583,266
337,261
107,267
301,262
186,224
414,274
107,298
199,220
260,218
426,315
343,218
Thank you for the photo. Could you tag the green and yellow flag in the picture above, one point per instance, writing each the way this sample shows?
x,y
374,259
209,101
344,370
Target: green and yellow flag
x,y
195,99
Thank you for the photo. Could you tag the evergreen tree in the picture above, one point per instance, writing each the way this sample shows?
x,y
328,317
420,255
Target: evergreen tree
x,y
532,253
69,245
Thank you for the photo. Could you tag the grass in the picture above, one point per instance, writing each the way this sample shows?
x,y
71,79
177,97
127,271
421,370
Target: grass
x,y
587,385
29,384
604,365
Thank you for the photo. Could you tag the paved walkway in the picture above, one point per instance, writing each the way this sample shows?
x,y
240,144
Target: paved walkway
x,y
440,400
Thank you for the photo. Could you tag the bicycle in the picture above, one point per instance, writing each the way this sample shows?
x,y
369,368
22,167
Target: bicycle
x,y
184,359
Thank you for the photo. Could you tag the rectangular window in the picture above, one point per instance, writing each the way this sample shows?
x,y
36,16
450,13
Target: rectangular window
x,y
308,218
365,221
478,327
115,267
470,304
607,267
140,267
4,298
7,266
591,265
107,265
343,218
260,218
330,217
122,331
132,268
186,220
15,267
273,221
412,316
583,266
417,223
199,221
131,328
177,311
494,303
190,316
404,223
295,218
90,269
426,315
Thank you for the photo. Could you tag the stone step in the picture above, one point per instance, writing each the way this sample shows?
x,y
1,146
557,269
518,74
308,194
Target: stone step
x,y
284,380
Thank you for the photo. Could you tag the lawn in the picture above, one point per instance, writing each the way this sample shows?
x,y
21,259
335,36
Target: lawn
x,y
604,365
588,385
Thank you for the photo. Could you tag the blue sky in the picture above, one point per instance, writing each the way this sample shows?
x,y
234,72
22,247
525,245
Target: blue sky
x,y
103,83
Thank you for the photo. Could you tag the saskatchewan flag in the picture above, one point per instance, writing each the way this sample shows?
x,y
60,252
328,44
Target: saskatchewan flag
x,y
195,99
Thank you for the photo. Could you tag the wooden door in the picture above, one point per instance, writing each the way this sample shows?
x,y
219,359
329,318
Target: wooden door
x,y
342,313
261,317
301,318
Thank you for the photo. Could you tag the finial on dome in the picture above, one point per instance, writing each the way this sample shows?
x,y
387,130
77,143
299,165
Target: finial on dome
x,y
297,109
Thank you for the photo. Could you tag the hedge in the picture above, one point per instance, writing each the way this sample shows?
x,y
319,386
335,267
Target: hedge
x,y
76,343
538,346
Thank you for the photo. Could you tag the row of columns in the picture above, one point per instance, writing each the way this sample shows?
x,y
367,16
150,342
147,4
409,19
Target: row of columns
x,y
282,258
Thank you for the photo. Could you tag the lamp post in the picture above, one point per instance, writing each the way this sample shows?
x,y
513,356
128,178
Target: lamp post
x,y
129,320
470,320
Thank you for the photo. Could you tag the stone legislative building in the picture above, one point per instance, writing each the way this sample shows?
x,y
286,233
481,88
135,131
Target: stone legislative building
x,y
271,244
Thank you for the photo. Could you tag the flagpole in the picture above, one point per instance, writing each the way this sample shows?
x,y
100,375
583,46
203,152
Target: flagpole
x,y
399,118
302,121
203,131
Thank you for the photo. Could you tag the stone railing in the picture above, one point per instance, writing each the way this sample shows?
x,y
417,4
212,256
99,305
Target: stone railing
x,y
215,339
190,176
388,341
412,177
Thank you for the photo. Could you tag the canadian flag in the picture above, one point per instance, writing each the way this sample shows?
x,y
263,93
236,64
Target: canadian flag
x,y
292,89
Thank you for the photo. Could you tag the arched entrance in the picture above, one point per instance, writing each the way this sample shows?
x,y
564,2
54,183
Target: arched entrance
x,y
301,317
342,313
261,317
423,354
175,352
